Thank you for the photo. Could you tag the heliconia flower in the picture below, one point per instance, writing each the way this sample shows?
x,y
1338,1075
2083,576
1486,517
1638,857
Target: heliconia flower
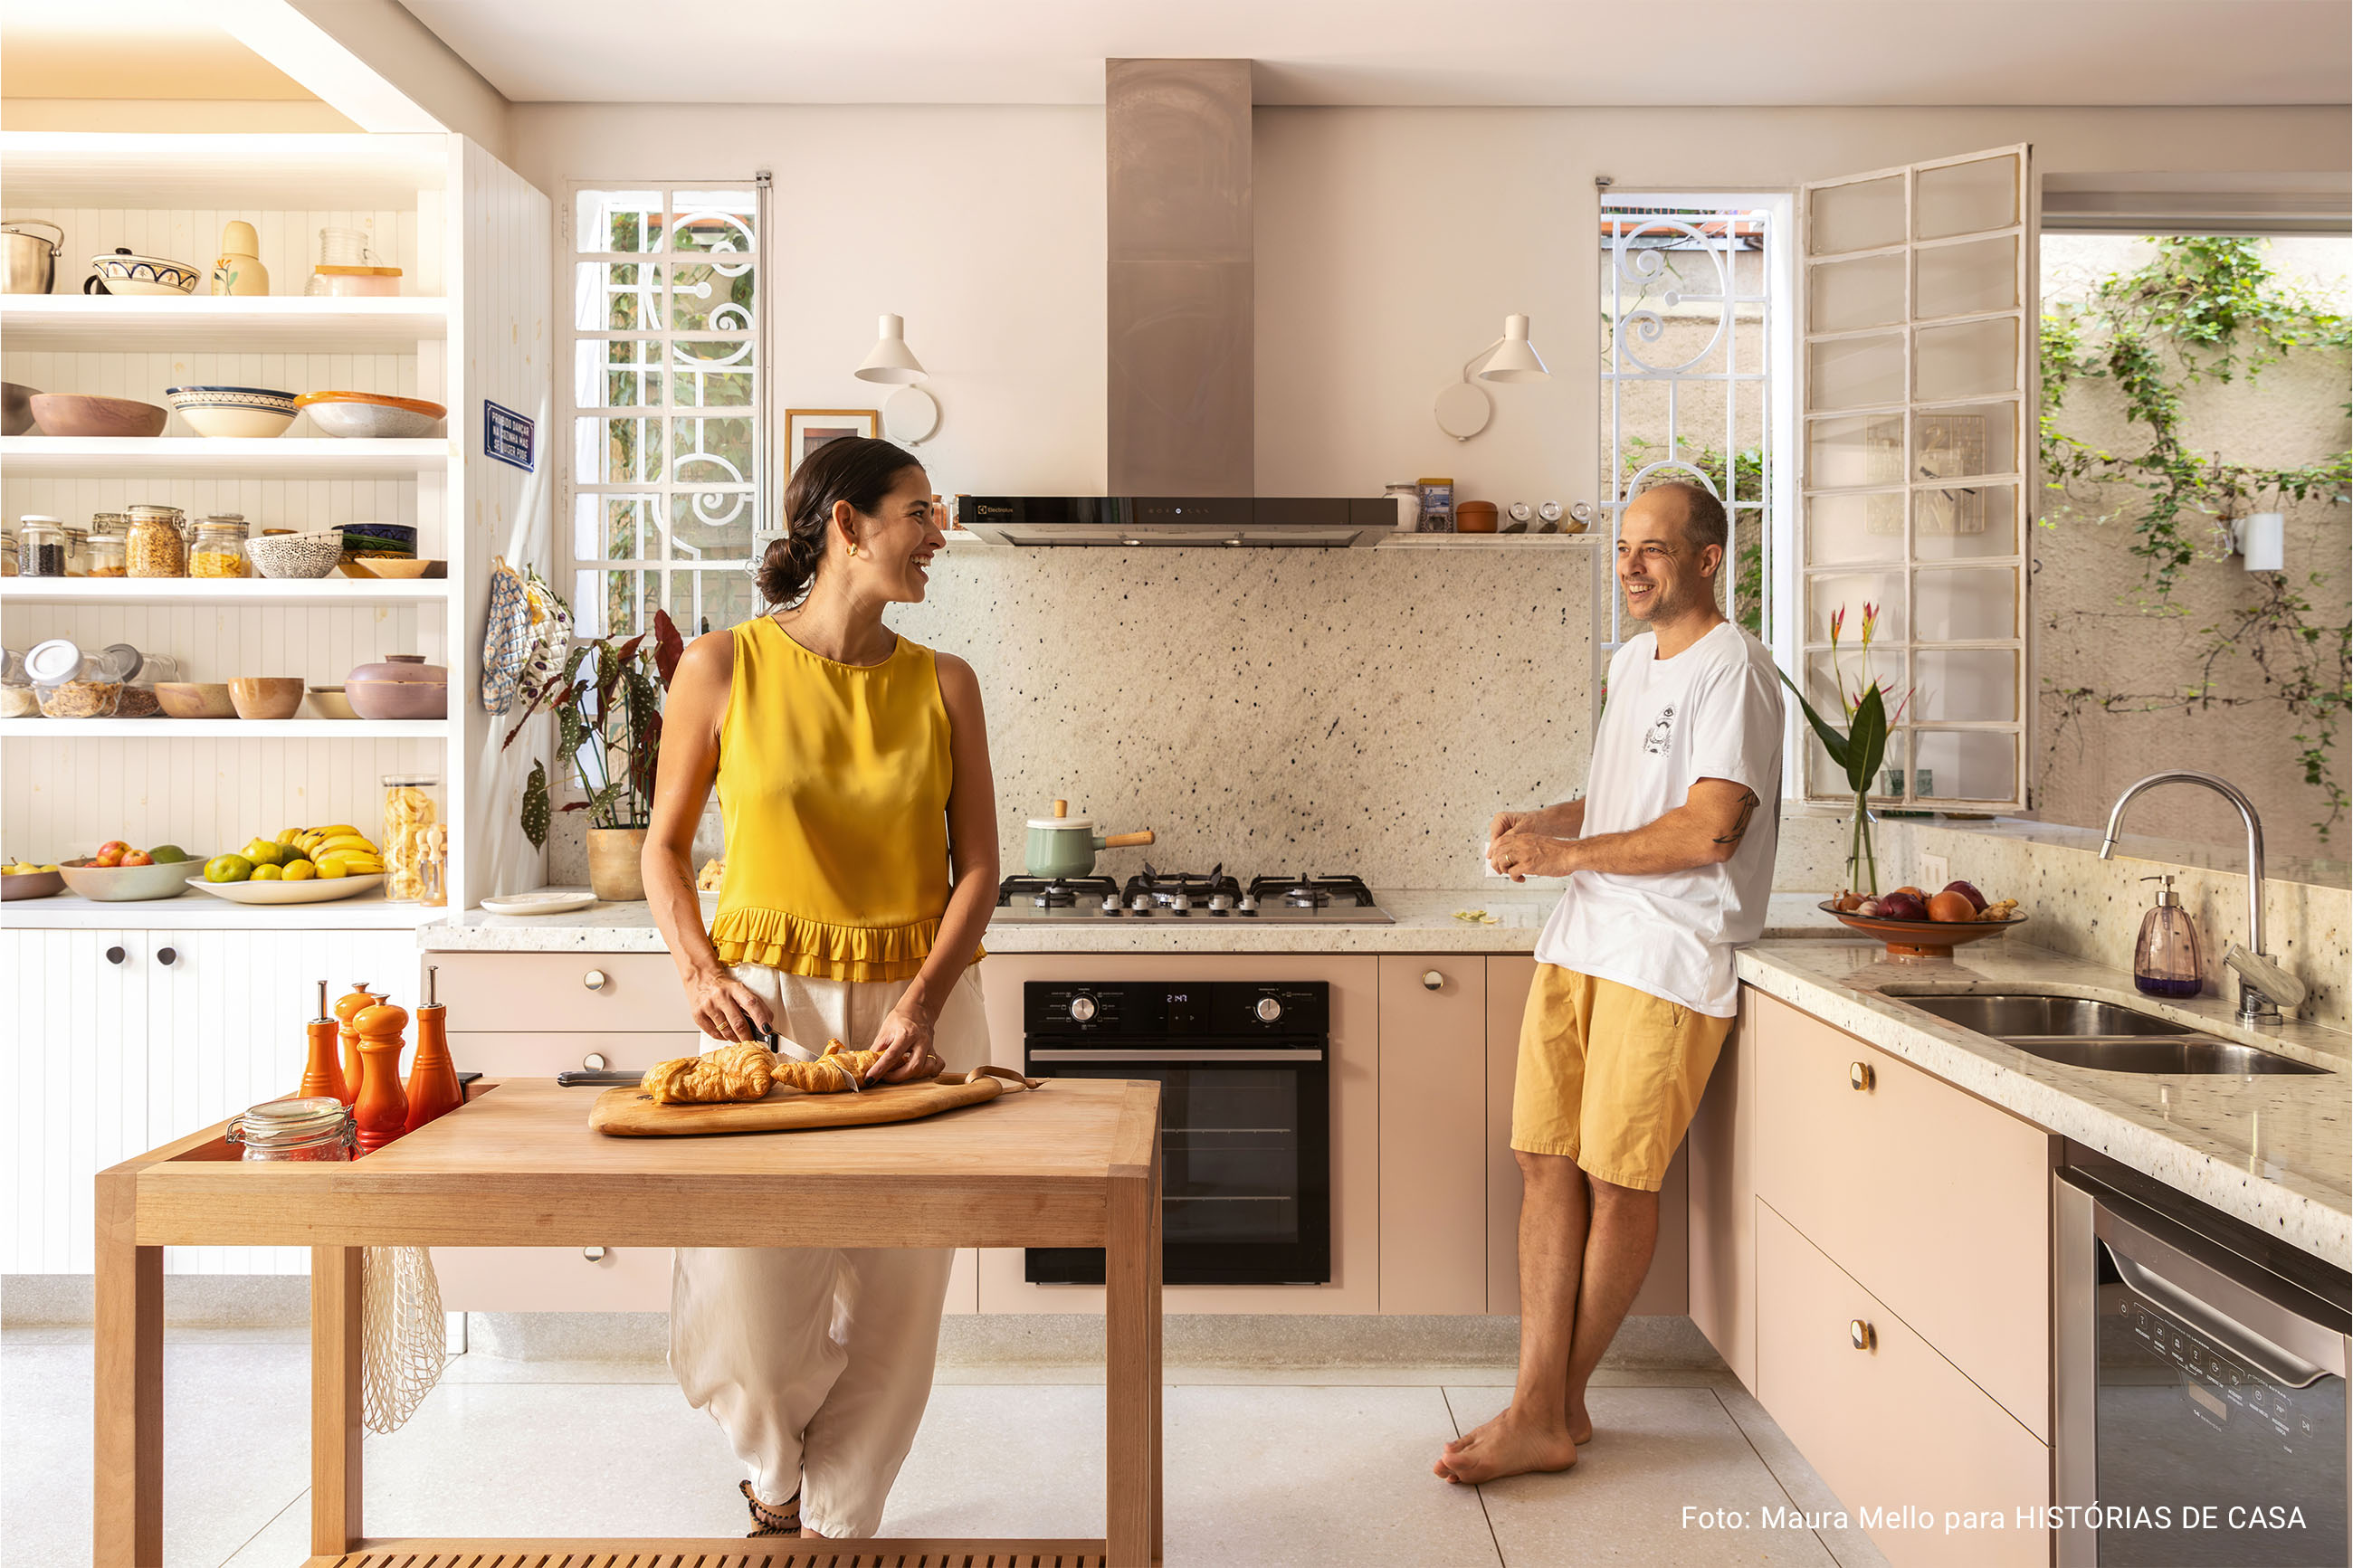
x,y
1838,623
1870,621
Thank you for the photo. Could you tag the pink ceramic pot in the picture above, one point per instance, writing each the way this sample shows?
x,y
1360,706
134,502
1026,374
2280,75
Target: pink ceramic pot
x,y
403,686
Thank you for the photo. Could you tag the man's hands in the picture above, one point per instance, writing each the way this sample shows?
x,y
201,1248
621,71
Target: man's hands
x,y
1522,855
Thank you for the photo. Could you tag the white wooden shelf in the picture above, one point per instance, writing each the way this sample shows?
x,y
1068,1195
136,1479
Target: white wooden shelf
x,y
206,170
193,910
1487,540
201,325
111,591
225,729
197,458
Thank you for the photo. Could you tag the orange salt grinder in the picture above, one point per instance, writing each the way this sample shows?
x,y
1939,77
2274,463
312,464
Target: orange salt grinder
x,y
433,1088
382,1110
350,1005
321,1073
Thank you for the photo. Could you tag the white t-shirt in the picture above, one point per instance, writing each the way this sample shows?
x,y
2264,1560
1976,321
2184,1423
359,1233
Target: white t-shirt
x,y
1712,711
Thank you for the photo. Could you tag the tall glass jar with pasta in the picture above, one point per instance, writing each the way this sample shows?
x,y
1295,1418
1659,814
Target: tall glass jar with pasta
x,y
416,842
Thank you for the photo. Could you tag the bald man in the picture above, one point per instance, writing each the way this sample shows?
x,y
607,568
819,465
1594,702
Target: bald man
x,y
1670,861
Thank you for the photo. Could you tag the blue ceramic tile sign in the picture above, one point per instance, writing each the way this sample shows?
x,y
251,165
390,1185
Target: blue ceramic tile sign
x,y
506,435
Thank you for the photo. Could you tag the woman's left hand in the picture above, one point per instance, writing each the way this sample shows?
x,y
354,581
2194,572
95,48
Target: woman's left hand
x,y
905,1041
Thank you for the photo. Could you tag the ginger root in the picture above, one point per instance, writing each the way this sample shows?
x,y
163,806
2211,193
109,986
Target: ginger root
x,y
748,1071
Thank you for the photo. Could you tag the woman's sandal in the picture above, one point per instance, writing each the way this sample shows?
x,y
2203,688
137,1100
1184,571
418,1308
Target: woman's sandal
x,y
784,1520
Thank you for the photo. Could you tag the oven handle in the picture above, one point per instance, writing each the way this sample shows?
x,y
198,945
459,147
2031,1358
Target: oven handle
x,y
2183,1287
1193,1058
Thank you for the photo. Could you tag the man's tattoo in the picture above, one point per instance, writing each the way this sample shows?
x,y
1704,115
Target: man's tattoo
x,y
1740,824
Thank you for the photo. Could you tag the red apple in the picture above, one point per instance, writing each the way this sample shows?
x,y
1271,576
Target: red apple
x,y
113,846
108,859
1969,891
137,857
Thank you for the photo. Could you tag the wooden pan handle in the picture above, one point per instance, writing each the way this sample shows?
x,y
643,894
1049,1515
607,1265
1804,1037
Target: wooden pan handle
x,y
1128,841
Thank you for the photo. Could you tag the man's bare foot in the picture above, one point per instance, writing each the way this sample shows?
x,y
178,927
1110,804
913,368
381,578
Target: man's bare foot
x,y
1580,1423
1510,1445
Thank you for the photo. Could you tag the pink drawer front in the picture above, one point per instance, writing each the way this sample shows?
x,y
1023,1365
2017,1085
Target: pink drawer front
x,y
552,1280
518,1055
562,991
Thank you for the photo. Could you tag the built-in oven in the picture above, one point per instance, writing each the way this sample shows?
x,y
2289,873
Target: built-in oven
x,y
1245,1077
2201,1383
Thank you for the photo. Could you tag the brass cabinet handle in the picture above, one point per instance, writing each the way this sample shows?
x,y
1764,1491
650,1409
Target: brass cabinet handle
x,y
1861,1335
1859,1076
593,980
593,1254
1431,980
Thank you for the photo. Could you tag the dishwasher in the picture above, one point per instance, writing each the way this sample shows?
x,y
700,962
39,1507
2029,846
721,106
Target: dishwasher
x,y
2201,1392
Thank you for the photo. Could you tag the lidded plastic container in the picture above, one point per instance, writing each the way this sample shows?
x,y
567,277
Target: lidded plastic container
x,y
2168,960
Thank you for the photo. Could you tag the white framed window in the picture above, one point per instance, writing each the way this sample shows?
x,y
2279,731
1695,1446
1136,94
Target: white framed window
x,y
664,369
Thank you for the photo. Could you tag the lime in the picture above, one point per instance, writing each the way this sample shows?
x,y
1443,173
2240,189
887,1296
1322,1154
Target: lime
x,y
227,868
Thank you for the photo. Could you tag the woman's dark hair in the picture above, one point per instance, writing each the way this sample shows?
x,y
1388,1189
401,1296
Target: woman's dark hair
x,y
851,469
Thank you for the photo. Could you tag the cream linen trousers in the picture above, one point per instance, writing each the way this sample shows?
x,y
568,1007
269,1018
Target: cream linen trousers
x,y
816,1361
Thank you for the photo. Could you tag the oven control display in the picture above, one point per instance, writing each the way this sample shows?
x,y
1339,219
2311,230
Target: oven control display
x,y
1209,1011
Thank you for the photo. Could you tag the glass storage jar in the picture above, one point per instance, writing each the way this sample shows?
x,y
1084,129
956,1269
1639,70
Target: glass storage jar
x,y
9,566
414,843
317,1127
77,551
220,548
40,546
157,547
107,558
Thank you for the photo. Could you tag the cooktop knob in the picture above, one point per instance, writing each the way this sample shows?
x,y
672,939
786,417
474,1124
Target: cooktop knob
x,y
1082,1009
1180,903
1268,1009
1111,903
1141,903
1247,904
1220,902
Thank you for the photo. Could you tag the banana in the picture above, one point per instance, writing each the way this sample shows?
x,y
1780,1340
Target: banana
x,y
288,834
332,828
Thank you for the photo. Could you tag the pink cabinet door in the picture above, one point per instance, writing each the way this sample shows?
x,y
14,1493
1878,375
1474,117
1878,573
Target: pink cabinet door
x,y
1722,1150
1432,1171
630,992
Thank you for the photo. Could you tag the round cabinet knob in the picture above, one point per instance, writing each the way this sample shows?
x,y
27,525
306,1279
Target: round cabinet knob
x,y
593,1254
1268,1009
595,1061
1431,980
1860,1077
1082,1009
115,955
593,980
167,956
1861,1335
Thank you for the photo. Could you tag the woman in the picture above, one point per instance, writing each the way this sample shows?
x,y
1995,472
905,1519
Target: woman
x,y
852,768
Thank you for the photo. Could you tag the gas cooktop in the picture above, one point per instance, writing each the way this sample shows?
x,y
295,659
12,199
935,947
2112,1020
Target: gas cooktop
x,y
1170,895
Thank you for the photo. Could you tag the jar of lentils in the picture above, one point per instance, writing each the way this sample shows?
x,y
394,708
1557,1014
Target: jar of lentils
x,y
317,1127
156,547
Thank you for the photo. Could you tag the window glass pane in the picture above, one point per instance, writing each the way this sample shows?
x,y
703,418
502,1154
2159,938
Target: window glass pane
x,y
1972,359
1835,687
1962,198
616,297
1848,372
711,389
1959,443
711,297
1854,529
1962,279
1859,217
1828,593
706,525
710,221
1826,778
1965,684
617,220
1959,524
703,602
1891,780
1865,450
1966,604
616,527
616,373
589,603
712,451
1841,296
616,451
1968,764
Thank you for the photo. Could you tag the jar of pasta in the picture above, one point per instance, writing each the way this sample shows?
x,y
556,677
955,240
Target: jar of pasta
x,y
220,548
415,843
107,557
156,547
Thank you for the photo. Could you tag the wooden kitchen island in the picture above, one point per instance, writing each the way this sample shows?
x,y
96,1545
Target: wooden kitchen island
x,y
1075,1165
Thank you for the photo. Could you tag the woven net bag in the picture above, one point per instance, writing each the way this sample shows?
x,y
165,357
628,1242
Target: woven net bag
x,y
403,1342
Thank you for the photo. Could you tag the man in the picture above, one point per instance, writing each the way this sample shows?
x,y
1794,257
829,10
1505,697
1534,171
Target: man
x,y
1670,860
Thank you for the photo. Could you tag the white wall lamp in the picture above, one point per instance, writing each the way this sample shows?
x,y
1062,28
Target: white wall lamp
x,y
910,414
2262,541
1462,408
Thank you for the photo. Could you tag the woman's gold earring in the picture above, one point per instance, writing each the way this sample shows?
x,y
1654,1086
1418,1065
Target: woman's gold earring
x,y
853,553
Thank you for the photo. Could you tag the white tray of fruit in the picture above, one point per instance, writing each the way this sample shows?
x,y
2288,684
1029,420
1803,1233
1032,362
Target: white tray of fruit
x,y
118,874
301,866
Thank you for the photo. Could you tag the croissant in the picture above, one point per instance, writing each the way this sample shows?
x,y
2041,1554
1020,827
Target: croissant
x,y
749,1071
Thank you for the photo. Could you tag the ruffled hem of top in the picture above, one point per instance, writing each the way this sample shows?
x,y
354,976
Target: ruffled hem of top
x,y
799,945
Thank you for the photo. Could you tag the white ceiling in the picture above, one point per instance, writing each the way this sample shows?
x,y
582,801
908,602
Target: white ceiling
x,y
1591,52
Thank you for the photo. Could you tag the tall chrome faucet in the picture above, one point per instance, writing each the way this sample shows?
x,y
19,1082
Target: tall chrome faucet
x,y
2263,986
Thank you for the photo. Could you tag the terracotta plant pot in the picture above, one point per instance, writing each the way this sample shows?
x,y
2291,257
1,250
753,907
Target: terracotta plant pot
x,y
614,871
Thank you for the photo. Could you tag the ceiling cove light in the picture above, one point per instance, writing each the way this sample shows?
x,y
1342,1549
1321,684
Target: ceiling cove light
x,y
1462,408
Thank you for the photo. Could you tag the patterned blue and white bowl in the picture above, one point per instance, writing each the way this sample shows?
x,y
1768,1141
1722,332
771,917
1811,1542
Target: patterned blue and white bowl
x,y
247,410
121,272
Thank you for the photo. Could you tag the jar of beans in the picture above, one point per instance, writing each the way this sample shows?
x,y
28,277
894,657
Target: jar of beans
x,y
156,547
40,546
317,1127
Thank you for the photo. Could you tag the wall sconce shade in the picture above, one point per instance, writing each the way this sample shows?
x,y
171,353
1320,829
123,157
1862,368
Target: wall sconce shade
x,y
1462,409
891,362
1516,358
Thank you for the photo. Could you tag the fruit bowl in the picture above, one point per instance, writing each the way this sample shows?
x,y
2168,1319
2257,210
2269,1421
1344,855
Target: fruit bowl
x,y
14,885
1919,938
129,884
316,890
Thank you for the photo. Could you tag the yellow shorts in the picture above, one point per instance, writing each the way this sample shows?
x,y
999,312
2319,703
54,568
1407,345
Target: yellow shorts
x,y
1608,1076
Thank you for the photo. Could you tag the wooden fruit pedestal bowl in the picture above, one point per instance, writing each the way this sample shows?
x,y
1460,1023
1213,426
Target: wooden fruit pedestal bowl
x,y
1919,939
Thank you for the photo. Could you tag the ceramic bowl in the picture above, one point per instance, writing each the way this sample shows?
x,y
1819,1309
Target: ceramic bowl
x,y
295,554
121,272
16,409
329,702
1916,939
232,411
30,885
366,541
266,696
318,890
194,700
78,414
129,884
373,416
399,570
401,687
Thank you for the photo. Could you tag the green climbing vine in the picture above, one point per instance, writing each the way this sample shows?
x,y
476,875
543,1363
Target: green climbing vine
x,y
2203,308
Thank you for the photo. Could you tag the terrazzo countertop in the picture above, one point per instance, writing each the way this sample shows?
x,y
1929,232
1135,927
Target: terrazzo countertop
x,y
2272,1150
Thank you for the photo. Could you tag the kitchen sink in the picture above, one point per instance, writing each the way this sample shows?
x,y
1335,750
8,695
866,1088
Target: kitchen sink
x,y
2079,1032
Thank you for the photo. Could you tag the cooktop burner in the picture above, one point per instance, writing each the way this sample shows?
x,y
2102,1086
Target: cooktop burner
x,y
1313,892
1053,893
1157,895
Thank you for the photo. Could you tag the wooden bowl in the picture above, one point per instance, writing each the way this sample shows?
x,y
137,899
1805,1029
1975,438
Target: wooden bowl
x,y
30,885
1914,938
194,700
80,414
266,696
397,571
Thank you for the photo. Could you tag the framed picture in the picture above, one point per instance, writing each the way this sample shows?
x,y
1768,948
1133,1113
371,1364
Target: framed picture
x,y
806,429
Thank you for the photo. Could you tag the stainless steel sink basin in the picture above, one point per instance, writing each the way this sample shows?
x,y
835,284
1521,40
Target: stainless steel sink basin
x,y
2080,1032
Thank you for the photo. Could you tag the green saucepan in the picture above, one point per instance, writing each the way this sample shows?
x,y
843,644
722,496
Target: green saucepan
x,y
1064,846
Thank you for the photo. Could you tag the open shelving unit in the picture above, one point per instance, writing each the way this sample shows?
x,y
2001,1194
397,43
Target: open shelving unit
x,y
86,323
331,590
232,457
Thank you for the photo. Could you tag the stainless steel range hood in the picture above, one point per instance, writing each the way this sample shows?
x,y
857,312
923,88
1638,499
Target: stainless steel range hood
x,y
1145,522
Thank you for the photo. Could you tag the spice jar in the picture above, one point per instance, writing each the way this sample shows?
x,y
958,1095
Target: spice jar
x,y
40,546
413,851
317,1127
106,556
156,547
220,548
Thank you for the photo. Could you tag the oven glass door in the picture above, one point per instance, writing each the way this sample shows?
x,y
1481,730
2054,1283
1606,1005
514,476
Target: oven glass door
x,y
1246,1161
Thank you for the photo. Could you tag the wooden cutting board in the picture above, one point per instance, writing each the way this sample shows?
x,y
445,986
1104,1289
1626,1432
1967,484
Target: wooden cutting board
x,y
627,1110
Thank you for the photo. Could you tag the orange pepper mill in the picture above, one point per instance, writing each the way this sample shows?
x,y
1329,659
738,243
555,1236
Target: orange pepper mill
x,y
321,1073
349,1006
433,1088
381,1109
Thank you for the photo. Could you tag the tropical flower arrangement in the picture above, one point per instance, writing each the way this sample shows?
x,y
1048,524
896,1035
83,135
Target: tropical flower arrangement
x,y
1860,750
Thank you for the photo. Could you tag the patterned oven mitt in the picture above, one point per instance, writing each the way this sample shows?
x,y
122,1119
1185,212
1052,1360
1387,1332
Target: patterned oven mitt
x,y
506,638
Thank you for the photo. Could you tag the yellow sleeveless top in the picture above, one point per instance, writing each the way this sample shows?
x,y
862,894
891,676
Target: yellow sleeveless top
x,y
833,785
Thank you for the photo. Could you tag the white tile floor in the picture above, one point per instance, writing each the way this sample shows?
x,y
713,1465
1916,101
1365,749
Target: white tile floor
x,y
1328,1466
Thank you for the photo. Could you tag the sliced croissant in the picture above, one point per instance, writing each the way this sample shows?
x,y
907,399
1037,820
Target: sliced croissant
x,y
749,1071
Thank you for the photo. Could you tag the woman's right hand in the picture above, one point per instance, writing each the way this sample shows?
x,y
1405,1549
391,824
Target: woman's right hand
x,y
725,1008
